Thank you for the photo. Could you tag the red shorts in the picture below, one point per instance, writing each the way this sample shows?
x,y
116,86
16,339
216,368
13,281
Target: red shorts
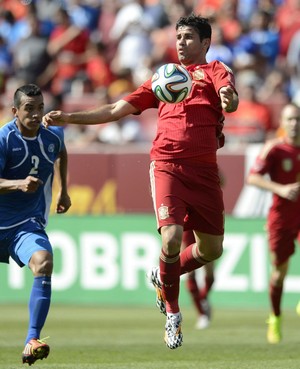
x,y
282,243
188,195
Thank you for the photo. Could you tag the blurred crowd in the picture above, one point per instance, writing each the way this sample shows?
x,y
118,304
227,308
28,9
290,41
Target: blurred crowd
x,y
84,53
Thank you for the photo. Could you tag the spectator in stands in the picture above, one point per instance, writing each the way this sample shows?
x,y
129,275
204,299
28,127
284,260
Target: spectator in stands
x,y
131,33
274,93
264,36
67,46
163,45
288,23
293,63
252,121
95,61
30,55
5,63
219,49
228,21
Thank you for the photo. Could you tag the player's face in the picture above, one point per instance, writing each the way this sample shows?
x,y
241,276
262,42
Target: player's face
x,y
291,122
190,49
29,115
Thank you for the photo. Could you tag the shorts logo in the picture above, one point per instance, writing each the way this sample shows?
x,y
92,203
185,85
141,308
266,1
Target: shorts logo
x,y
163,212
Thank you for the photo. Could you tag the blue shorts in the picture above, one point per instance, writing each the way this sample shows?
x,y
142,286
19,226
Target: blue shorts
x,y
22,242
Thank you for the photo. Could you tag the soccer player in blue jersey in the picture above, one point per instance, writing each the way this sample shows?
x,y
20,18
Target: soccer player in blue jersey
x,y
29,153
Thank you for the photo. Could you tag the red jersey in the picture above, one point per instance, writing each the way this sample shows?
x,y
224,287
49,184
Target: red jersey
x,y
282,162
190,129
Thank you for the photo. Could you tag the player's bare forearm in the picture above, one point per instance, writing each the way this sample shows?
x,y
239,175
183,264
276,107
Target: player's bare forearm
x,y
29,184
104,114
61,171
229,99
233,104
288,191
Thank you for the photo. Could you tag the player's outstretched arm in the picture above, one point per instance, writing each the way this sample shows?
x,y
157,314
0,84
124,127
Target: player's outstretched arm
x,y
104,114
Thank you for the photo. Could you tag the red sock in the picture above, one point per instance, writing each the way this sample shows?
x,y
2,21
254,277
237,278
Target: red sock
x,y
169,266
194,291
208,282
275,293
190,259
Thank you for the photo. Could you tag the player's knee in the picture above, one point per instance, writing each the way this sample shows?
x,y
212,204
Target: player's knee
x,y
215,253
41,264
171,237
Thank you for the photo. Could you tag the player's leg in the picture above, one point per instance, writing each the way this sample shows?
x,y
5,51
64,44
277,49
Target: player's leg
x,y
209,279
170,211
169,266
278,274
191,280
32,248
282,247
205,306
208,247
206,218
41,265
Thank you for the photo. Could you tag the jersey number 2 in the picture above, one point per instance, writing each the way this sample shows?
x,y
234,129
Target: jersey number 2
x,y
35,164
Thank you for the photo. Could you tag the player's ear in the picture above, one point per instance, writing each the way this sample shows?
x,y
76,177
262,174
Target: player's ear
x,y
14,111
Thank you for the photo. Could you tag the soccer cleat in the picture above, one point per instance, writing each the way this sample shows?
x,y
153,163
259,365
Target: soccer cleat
x,y
203,322
153,277
173,335
274,329
298,308
34,350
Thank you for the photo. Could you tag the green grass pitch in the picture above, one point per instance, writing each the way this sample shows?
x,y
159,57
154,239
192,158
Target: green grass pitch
x,y
97,337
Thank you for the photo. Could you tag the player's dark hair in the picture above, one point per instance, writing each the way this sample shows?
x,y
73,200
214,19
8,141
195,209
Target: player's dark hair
x,y
28,90
200,24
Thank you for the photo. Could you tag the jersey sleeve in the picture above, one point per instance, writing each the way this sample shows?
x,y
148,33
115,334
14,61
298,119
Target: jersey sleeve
x,y
265,160
59,132
223,76
143,97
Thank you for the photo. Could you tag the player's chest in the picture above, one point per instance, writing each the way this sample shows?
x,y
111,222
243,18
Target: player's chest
x,y
30,156
288,167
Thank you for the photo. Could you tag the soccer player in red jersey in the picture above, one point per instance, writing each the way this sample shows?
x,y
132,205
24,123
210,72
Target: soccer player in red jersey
x,y
280,159
184,173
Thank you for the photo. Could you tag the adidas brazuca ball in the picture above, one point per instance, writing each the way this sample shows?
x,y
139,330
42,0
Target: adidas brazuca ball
x,y
171,83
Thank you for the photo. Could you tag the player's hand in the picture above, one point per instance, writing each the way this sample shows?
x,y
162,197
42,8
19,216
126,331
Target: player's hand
x,y
54,118
290,191
30,184
63,203
226,96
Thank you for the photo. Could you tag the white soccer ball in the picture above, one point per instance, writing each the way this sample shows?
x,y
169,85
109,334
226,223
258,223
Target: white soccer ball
x,y
171,83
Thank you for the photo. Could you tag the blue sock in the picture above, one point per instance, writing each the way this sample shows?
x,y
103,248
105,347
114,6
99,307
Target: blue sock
x,y
39,304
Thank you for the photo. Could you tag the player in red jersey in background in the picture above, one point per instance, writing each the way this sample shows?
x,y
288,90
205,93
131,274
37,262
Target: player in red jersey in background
x,y
280,159
184,173
199,291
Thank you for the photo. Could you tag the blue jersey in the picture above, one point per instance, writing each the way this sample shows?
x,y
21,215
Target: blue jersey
x,y
23,156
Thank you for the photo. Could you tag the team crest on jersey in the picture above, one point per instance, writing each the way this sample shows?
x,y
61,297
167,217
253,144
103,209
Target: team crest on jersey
x,y
287,165
163,212
51,148
198,74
